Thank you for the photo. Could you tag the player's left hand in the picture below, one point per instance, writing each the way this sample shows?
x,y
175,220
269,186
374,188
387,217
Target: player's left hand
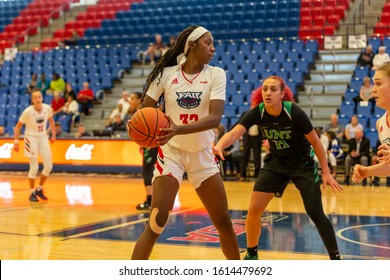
x,y
167,133
329,180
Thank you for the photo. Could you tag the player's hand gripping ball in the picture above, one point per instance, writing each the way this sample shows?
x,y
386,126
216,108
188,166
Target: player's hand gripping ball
x,y
144,126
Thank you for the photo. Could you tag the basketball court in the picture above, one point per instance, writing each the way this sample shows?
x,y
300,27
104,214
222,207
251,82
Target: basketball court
x,y
93,217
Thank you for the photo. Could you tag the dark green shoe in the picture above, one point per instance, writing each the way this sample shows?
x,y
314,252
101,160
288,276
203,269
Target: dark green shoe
x,y
250,257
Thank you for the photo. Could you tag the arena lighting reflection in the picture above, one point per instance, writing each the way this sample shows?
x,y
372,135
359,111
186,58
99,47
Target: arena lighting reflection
x,y
79,194
6,191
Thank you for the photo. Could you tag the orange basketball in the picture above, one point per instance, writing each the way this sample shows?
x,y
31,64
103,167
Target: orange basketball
x,y
144,125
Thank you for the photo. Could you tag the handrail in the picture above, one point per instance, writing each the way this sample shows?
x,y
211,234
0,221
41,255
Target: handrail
x,y
310,96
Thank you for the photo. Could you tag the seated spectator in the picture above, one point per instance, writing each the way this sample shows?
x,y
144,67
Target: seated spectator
x,y
118,124
365,94
335,152
351,128
59,132
135,101
365,58
380,58
85,98
2,132
57,103
69,91
117,111
172,40
81,132
56,84
155,49
125,102
33,83
358,152
336,127
43,84
71,106
71,41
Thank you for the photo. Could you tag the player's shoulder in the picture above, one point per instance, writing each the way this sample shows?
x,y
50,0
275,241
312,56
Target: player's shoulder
x,y
214,69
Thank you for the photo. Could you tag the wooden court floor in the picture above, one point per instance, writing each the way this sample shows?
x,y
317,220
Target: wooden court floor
x,y
93,217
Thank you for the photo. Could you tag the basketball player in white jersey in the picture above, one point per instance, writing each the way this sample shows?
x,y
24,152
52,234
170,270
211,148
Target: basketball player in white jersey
x,y
194,96
381,93
36,142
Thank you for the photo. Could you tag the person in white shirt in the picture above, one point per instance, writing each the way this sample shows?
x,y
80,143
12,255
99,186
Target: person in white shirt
x,y
194,96
35,118
380,58
125,102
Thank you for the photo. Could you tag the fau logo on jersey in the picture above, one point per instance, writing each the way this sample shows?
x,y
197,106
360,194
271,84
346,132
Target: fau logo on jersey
x,y
188,99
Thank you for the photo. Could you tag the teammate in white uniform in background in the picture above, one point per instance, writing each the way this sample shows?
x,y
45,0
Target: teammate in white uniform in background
x,y
36,142
194,96
381,93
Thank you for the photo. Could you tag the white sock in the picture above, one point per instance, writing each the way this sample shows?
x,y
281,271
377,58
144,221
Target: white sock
x,y
39,188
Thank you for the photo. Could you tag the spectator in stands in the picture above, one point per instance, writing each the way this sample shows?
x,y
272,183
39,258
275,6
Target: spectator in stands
x,y
69,91
324,141
56,84
33,83
172,40
336,127
57,103
118,124
125,102
352,127
71,106
2,132
365,94
358,152
81,132
155,49
380,58
43,84
85,98
365,58
59,132
335,152
71,41
117,111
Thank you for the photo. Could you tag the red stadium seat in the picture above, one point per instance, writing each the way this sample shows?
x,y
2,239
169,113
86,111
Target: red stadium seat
x,y
319,20
306,21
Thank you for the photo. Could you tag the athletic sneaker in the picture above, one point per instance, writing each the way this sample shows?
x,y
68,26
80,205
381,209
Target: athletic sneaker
x,y
248,256
143,206
33,197
40,194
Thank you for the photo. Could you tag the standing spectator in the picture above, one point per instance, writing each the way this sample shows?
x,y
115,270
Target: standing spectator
x,y
57,103
380,58
358,152
365,58
69,91
43,84
56,84
85,98
81,132
336,127
155,49
351,128
35,118
33,83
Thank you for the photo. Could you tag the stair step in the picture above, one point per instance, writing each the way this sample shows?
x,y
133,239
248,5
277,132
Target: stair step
x,y
330,78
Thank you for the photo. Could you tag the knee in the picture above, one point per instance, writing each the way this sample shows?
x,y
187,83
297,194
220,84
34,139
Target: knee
x,y
158,221
47,168
32,173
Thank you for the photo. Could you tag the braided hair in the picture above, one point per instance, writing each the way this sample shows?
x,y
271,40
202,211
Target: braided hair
x,y
169,58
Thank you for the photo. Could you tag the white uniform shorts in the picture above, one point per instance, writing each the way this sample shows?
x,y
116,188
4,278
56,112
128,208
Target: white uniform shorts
x,y
174,162
34,145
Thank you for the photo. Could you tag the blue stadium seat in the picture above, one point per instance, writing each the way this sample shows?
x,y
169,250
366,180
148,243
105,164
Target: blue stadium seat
x,y
344,119
348,109
379,111
372,135
362,72
363,110
230,110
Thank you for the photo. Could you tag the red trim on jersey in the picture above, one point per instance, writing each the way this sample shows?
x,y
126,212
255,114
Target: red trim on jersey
x,y
190,81
159,168
27,140
160,153
387,123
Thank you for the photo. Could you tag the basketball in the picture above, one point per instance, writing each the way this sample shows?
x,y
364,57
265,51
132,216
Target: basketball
x,y
144,125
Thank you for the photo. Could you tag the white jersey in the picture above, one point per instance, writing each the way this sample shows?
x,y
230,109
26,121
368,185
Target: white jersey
x,y
383,130
36,122
187,98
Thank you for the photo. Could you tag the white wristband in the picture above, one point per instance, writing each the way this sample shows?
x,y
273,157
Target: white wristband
x,y
16,141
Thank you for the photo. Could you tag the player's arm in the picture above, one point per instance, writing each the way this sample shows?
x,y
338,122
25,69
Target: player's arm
x,y
228,139
17,129
53,129
148,102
